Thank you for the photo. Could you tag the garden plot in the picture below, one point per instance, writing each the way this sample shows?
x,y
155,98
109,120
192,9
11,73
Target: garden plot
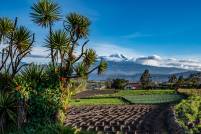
x,y
112,119
153,99
100,101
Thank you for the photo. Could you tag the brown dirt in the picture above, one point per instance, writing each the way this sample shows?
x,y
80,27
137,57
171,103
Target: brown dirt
x,y
129,119
90,93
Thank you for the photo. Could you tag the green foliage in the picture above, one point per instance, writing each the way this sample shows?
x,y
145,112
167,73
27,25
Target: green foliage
x,y
34,74
45,12
17,42
44,104
188,113
119,83
48,129
6,83
6,27
78,24
102,67
42,96
190,91
8,110
173,79
145,80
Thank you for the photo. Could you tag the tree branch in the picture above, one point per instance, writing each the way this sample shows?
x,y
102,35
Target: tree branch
x,y
82,52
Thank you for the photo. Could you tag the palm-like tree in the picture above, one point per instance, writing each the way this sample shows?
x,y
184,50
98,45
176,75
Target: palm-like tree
x,y
6,27
77,25
45,13
60,44
17,41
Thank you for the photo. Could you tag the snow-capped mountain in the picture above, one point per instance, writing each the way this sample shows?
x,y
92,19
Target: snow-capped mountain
x,y
157,61
120,66
114,57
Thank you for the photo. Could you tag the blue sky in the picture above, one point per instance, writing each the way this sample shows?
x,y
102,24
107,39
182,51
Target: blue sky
x,y
169,28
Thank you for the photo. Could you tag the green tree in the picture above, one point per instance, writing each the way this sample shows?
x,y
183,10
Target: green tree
x,y
119,83
17,42
180,82
45,13
145,79
172,79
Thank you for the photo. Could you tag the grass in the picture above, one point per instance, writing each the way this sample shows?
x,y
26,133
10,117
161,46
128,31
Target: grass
x,y
131,96
101,101
190,91
122,93
153,99
188,113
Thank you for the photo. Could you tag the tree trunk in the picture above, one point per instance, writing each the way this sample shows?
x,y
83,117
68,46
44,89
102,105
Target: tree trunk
x,y
51,49
21,118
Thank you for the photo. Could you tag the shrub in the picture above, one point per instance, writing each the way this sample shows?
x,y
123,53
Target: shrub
x,y
7,111
188,113
48,129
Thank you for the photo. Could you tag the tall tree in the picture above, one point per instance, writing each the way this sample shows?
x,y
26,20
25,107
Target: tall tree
x,y
180,81
173,79
17,42
45,13
119,83
145,79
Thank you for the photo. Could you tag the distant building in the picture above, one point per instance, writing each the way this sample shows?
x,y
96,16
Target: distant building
x,y
96,85
133,86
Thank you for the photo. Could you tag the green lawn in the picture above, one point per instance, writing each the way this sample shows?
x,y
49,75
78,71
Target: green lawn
x,y
132,96
80,102
153,99
122,93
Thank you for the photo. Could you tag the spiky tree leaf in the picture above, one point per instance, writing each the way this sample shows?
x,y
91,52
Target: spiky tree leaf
x,y
6,27
77,24
22,39
102,67
45,12
89,57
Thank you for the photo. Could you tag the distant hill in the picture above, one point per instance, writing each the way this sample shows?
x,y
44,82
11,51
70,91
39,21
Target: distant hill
x,y
131,70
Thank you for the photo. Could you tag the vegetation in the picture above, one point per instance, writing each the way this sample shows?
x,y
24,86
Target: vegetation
x,y
96,101
122,93
153,99
145,80
48,129
132,96
119,83
192,82
188,113
190,91
33,94
172,79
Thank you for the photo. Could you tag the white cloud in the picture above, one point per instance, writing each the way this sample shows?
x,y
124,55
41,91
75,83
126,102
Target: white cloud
x,y
190,64
136,35
40,51
38,55
106,49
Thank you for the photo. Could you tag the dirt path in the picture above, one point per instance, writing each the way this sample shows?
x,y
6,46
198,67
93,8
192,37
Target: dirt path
x,y
155,121
129,119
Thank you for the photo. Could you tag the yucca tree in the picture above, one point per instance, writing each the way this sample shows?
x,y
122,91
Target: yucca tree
x,y
60,45
6,27
17,42
77,25
45,13
65,43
